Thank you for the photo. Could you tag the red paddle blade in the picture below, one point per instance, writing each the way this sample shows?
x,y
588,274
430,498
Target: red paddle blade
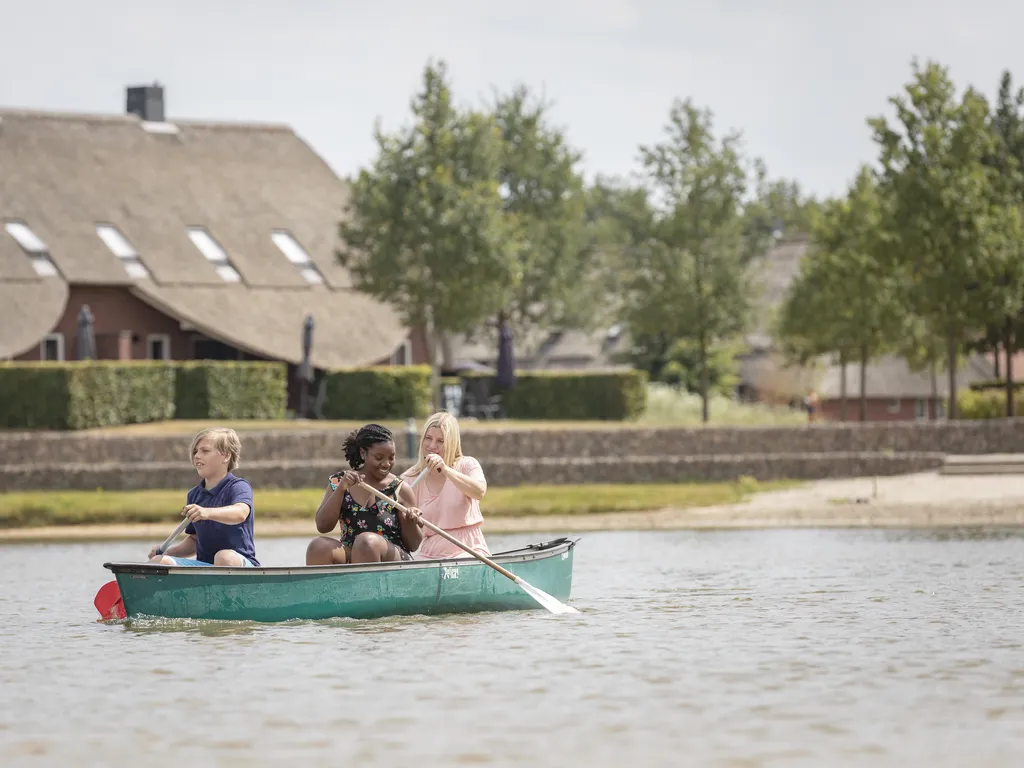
x,y
108,602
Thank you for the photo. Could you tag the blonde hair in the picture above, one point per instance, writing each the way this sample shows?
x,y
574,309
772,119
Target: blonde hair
x,y
452,452
224,441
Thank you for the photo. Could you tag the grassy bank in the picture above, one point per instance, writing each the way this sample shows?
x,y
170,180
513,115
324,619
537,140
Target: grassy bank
x,y
42,508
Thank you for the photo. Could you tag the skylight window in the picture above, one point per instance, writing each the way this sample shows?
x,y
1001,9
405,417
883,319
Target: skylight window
x,y
207,246
228,274
214,254
26,238
120,247
116,242
290,247
297,255
36,249
312,276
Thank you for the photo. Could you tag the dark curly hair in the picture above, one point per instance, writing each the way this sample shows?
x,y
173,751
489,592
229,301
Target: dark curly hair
x,y
356,442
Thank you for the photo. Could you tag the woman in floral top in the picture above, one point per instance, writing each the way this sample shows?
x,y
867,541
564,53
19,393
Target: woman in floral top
x,y
372,531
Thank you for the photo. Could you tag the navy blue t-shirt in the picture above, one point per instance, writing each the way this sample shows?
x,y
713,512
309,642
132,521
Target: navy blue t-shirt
x,y
211,536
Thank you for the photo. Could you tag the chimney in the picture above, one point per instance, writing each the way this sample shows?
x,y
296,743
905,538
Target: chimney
x,y
146,101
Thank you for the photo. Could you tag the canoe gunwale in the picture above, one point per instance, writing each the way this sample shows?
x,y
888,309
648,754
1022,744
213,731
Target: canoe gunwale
x,y
539,551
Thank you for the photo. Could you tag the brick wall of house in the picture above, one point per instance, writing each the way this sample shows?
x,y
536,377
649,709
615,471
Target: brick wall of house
x,y
882,409
114,310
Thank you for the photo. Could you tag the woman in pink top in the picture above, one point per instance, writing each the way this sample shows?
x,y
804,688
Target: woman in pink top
x,y
450,496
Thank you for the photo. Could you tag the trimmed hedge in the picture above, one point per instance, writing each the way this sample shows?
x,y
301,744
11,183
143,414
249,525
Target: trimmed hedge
x,y
81,395
230,390
994,384
577,396
987,404
378,393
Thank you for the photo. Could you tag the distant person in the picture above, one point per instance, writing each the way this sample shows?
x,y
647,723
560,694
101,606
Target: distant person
x,y
371,530
220,509
811,403
449,496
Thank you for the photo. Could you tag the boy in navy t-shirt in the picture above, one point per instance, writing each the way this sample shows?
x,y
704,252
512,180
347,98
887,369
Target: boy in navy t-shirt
x,y
220,509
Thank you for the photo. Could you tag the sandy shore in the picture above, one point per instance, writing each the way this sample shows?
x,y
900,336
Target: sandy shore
x,y
920,500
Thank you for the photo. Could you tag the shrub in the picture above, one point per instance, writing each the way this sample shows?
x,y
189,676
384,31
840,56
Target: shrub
x,y
82,395
572,396
207,389
994,384
378,393
986,404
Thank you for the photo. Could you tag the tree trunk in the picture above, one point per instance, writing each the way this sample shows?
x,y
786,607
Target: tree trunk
x,y
951,357
705,410
1009,345
863,384
447,358
996,356
842,387
435,376
933,408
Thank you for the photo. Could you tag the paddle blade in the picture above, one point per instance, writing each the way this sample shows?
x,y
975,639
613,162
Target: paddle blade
x,y
552,604
108,602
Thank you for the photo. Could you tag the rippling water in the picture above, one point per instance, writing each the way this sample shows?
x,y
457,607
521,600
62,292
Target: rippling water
x,y
742,648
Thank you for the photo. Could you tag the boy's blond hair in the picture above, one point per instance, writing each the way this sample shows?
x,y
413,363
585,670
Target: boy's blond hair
x,y
224,441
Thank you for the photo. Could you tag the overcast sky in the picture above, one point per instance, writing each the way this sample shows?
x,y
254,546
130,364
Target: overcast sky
x,y
798,77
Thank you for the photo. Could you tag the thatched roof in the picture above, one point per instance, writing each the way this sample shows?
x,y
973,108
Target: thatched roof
x,y
891,377
64,174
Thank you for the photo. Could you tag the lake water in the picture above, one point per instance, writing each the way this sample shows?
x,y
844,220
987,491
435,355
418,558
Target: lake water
x,y
740,648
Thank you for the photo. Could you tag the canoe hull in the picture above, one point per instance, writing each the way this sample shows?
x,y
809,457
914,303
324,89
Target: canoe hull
x,y
367,591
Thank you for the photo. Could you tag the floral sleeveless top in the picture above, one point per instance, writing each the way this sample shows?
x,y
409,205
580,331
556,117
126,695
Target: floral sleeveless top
x,y
356,519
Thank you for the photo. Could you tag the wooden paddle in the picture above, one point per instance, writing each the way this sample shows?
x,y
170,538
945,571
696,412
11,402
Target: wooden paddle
x,y
108,600
548,601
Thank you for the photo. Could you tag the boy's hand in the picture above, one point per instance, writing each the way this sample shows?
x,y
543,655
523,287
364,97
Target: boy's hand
x,y
195,513
153,552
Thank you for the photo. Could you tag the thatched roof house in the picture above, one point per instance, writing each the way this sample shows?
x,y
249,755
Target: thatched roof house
x,y
187,239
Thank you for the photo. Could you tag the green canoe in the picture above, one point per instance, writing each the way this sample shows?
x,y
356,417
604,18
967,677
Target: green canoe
x,y
364,591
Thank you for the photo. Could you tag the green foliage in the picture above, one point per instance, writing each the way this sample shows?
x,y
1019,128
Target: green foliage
x,y
544,203
985,404
425,228
994,385
230,390
375,394
82,395
570,396
778,208
845,302
687,279
954,228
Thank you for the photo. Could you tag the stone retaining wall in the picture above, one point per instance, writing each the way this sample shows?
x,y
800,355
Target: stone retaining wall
x,y
500,471
77,460
960,437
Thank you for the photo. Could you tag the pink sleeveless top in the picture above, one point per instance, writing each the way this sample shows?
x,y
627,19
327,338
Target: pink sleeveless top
x,y
450,508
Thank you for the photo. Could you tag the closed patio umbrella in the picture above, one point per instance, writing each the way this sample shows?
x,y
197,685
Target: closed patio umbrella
x,y
85,336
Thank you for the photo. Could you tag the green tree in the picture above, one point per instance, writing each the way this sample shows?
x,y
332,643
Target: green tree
x,y
778,208
1006,291
852,240
544,202
688,279
807,327
425,228
948,221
